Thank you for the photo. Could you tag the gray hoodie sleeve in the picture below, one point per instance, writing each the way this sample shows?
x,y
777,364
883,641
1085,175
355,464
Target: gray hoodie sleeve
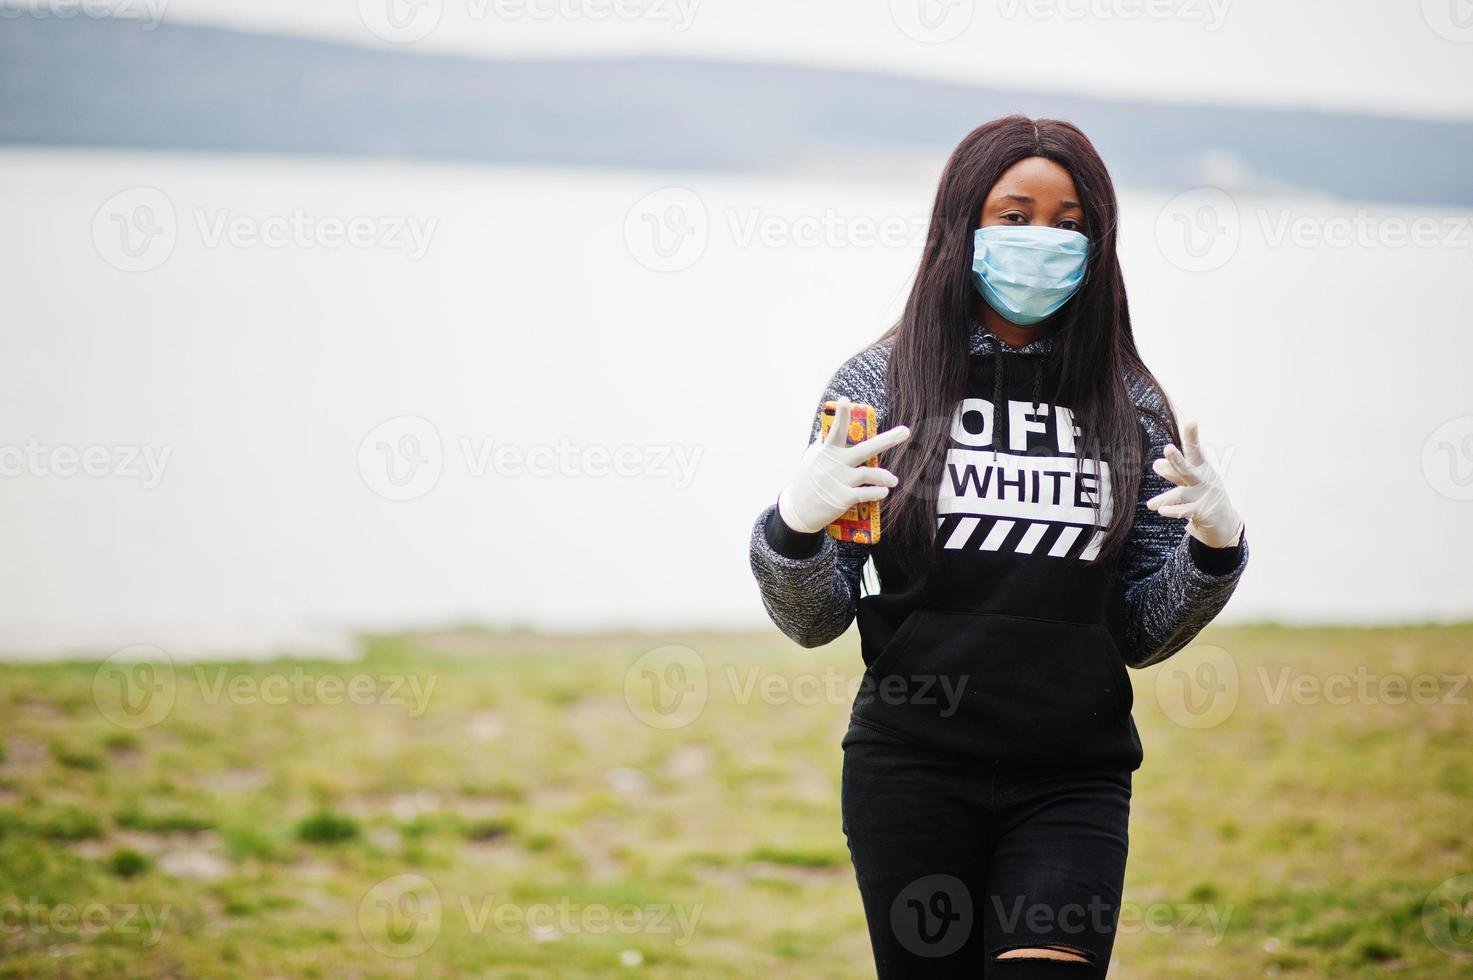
x,y
1174,585
810,583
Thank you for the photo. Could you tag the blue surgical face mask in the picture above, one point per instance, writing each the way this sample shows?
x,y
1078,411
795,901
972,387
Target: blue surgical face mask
x,y
1026,272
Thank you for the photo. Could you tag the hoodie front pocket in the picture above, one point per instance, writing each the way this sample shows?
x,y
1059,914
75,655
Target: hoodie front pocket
x,y
1116,665
1002,686
896,646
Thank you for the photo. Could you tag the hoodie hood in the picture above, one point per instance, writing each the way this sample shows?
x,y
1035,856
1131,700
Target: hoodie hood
x,y
985,344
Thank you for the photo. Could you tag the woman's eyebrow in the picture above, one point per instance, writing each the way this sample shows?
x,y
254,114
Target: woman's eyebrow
x,y
1025,199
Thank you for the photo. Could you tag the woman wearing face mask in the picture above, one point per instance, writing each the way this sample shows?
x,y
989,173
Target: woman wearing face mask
x,y
1041,530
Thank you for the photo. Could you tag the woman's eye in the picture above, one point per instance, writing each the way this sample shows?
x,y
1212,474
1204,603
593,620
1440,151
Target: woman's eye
x,y
1069,224
1015,218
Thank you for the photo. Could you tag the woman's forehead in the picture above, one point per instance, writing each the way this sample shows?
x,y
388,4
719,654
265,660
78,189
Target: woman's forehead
x,y
1034,177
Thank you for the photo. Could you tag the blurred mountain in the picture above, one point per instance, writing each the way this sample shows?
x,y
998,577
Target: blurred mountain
x,y
109,83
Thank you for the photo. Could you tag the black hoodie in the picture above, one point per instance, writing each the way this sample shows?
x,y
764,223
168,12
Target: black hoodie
x,y
1014,647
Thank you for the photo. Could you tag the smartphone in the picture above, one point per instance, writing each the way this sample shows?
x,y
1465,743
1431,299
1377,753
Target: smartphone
x,y
860,523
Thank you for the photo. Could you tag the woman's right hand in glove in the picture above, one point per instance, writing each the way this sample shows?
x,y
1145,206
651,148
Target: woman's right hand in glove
x,y
832,476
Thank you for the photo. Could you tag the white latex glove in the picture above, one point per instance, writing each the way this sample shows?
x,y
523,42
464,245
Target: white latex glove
x,y
832,477
1199,493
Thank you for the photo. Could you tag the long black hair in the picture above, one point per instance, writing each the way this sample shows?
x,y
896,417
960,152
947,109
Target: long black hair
x,y
927,372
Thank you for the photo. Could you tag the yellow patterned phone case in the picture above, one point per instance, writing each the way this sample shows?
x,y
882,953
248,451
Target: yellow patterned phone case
x,y
860,523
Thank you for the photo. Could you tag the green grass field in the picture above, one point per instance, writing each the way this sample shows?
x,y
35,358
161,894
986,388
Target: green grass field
x,y
500,804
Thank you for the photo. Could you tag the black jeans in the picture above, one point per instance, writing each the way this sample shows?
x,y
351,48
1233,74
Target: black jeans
x,y
960,861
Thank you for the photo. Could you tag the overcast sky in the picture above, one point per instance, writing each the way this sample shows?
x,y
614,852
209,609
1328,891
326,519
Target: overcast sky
x,y
1405,57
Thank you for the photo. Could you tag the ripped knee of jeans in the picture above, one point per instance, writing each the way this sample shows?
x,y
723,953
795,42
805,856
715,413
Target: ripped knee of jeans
x,y
1053,952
